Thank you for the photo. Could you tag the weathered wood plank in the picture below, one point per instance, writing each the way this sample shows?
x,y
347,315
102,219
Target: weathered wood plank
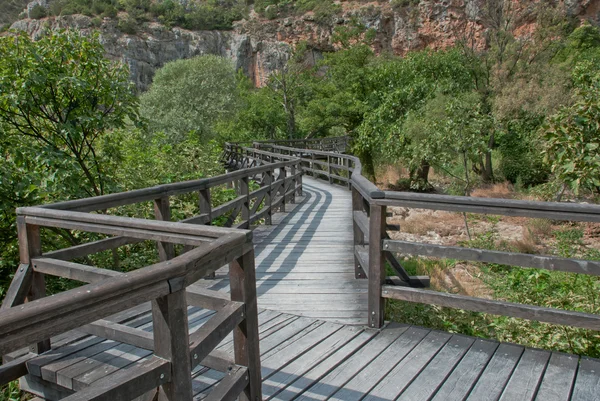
x,y
538,313
587,383
458,385
374,372
127,384
405,372
435,373
492,381
527,376
505,258
559,378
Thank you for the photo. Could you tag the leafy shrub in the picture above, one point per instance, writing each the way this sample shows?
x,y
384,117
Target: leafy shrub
x,y
38,12
128,25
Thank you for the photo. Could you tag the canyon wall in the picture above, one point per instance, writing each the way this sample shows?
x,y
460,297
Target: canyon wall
x,y
259,46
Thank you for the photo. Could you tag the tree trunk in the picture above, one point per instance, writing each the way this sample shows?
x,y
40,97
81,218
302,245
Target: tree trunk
x,y
420,175
487,173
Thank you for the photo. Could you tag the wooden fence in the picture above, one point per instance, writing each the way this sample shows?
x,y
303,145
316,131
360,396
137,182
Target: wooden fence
x,y
28,317
373,247
338,144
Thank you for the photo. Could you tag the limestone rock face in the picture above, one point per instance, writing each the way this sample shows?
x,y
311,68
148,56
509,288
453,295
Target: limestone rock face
x,y
155,45
259,46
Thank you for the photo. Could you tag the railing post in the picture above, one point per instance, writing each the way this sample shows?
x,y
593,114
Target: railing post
x,y
245,191
312,165
242,279
171,342
269,197
204,205
300,174
162,211
282,175
293,175
329,169
359,236
377,226
30,246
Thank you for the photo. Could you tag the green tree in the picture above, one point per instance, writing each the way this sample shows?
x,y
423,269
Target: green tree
x,y
190,96
59,97
64,95
573,135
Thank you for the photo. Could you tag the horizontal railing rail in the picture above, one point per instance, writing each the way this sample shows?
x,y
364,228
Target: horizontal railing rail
x,y
373,247
28,317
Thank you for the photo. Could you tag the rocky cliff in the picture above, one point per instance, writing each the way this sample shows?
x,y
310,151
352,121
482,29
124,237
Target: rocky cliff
x,y
259,46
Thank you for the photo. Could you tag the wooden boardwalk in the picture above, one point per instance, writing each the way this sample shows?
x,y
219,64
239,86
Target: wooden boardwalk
x,y
313,341
305,260
309,359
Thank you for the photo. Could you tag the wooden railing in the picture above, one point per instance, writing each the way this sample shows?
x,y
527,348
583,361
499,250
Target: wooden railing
x,y
373,247
338,144
28,317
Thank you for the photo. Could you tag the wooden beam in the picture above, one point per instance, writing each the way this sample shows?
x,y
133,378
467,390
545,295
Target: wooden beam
x,y
19,286
208,299
529,312
230,387
376,266
15,369
170,328
505,258
242,281
120,332
72,271
80,251
209,335
126,384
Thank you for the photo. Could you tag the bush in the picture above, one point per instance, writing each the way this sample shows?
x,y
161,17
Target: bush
x,y
521,160
128,25
38,12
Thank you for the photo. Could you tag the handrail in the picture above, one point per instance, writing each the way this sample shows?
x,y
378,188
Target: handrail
x,y
27,316
373,246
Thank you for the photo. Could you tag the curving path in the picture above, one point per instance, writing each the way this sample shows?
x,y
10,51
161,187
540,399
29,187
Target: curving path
x,y
305,259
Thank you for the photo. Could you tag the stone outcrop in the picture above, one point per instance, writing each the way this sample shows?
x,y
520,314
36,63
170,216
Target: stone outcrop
x,y
259,46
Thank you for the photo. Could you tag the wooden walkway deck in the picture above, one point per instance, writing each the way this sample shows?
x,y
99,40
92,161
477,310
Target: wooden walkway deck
x,y
310,359
305,260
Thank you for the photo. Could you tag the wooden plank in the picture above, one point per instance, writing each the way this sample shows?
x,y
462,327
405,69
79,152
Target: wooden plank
x,y
510,207
205,298
344,372
127,384
492,381
231,386
361,219
208,336
80,251
311,367
19,286
295,346
458,385
525,380
119,332
558,378
405,372
505,258
15,369
537,313
72,271
587,383
374,372
438,369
